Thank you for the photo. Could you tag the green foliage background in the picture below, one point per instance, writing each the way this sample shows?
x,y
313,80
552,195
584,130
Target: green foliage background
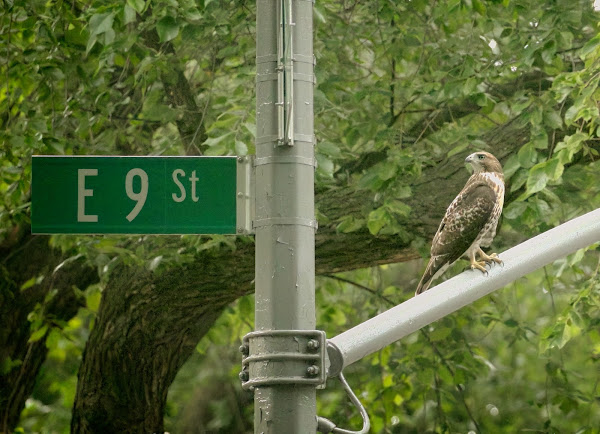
x,y
402,86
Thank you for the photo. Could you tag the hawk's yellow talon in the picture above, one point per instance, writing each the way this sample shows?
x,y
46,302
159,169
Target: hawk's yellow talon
x,y
479,265
488,259
473,215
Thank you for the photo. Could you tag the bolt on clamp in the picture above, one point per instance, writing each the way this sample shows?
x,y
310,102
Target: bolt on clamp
x,y
272,357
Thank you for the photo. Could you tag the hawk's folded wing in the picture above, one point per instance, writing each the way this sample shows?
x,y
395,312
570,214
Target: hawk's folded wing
x,y
465,218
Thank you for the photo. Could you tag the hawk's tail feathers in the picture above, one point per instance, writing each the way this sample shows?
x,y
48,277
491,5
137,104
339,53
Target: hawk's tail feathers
x,y
423,286
436,266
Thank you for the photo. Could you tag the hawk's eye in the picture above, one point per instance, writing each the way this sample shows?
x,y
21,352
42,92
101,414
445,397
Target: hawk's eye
x,y
481,156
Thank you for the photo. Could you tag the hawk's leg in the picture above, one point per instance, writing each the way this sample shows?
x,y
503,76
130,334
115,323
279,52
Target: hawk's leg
x,y
480,265
488,259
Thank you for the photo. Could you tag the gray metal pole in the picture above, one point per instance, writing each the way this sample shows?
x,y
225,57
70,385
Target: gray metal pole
x,y
285,220
451,295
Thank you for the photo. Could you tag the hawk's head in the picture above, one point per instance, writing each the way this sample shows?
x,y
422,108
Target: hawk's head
x,y
484,162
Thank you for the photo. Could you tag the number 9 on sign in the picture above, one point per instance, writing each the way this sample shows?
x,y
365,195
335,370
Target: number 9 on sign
x,y
140,196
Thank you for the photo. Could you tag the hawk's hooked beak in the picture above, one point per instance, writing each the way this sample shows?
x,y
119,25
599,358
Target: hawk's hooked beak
x,y
471,163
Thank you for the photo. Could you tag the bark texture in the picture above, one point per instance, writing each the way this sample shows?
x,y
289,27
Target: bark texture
x,y
147,326
149,323
24,258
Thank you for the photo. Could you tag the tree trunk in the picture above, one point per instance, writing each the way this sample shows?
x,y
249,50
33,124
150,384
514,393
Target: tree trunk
x,y
20,359
149,323
147,326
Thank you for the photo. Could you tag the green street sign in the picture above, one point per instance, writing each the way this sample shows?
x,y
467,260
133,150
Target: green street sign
x,y
139,195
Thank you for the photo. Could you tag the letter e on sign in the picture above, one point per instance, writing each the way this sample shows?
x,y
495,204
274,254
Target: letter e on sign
x,y
82,192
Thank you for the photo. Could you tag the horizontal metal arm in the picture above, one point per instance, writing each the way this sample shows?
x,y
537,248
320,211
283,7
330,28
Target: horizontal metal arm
x,y
451,295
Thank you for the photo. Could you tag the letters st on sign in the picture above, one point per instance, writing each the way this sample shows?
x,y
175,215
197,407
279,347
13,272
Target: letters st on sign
x,y
141,195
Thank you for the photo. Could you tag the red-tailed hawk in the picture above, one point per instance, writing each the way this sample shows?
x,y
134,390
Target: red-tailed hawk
x,y
470,221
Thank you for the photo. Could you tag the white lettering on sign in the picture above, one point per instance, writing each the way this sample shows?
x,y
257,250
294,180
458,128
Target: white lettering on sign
x,y
139,197
176,173
82,193
182,193
193,180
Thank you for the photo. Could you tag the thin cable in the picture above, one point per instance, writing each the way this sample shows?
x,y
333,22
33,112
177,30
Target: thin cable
x,y
326,426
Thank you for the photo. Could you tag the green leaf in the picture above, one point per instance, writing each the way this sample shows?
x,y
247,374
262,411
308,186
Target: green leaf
x,y
7,364
458,149
540,140
29,283
338,316
319,15
251,128
549,52
386,170
155,262
511,166
377,220
329,148
90,44
479,6
514,210
156,111
246,306
167,28
192,14
574,142
398,207
100,23
324,165
402,192
240,148
92,300
552,119
570,331
53,338
350,224
589,46
572,113
213,141
537,179
128,14
67,261
576,257
440,333
527,155
554,169
38,334
371,180
138,5
541,173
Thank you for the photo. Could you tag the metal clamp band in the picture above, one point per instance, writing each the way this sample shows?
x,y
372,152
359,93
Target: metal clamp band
x,y
308,138
266,139
276,221
273,357
304,59
279,356
272,76
292,159
266,58
295,58
310,78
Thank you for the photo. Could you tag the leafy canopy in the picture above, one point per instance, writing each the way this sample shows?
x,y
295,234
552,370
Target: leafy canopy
x,y
402,87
